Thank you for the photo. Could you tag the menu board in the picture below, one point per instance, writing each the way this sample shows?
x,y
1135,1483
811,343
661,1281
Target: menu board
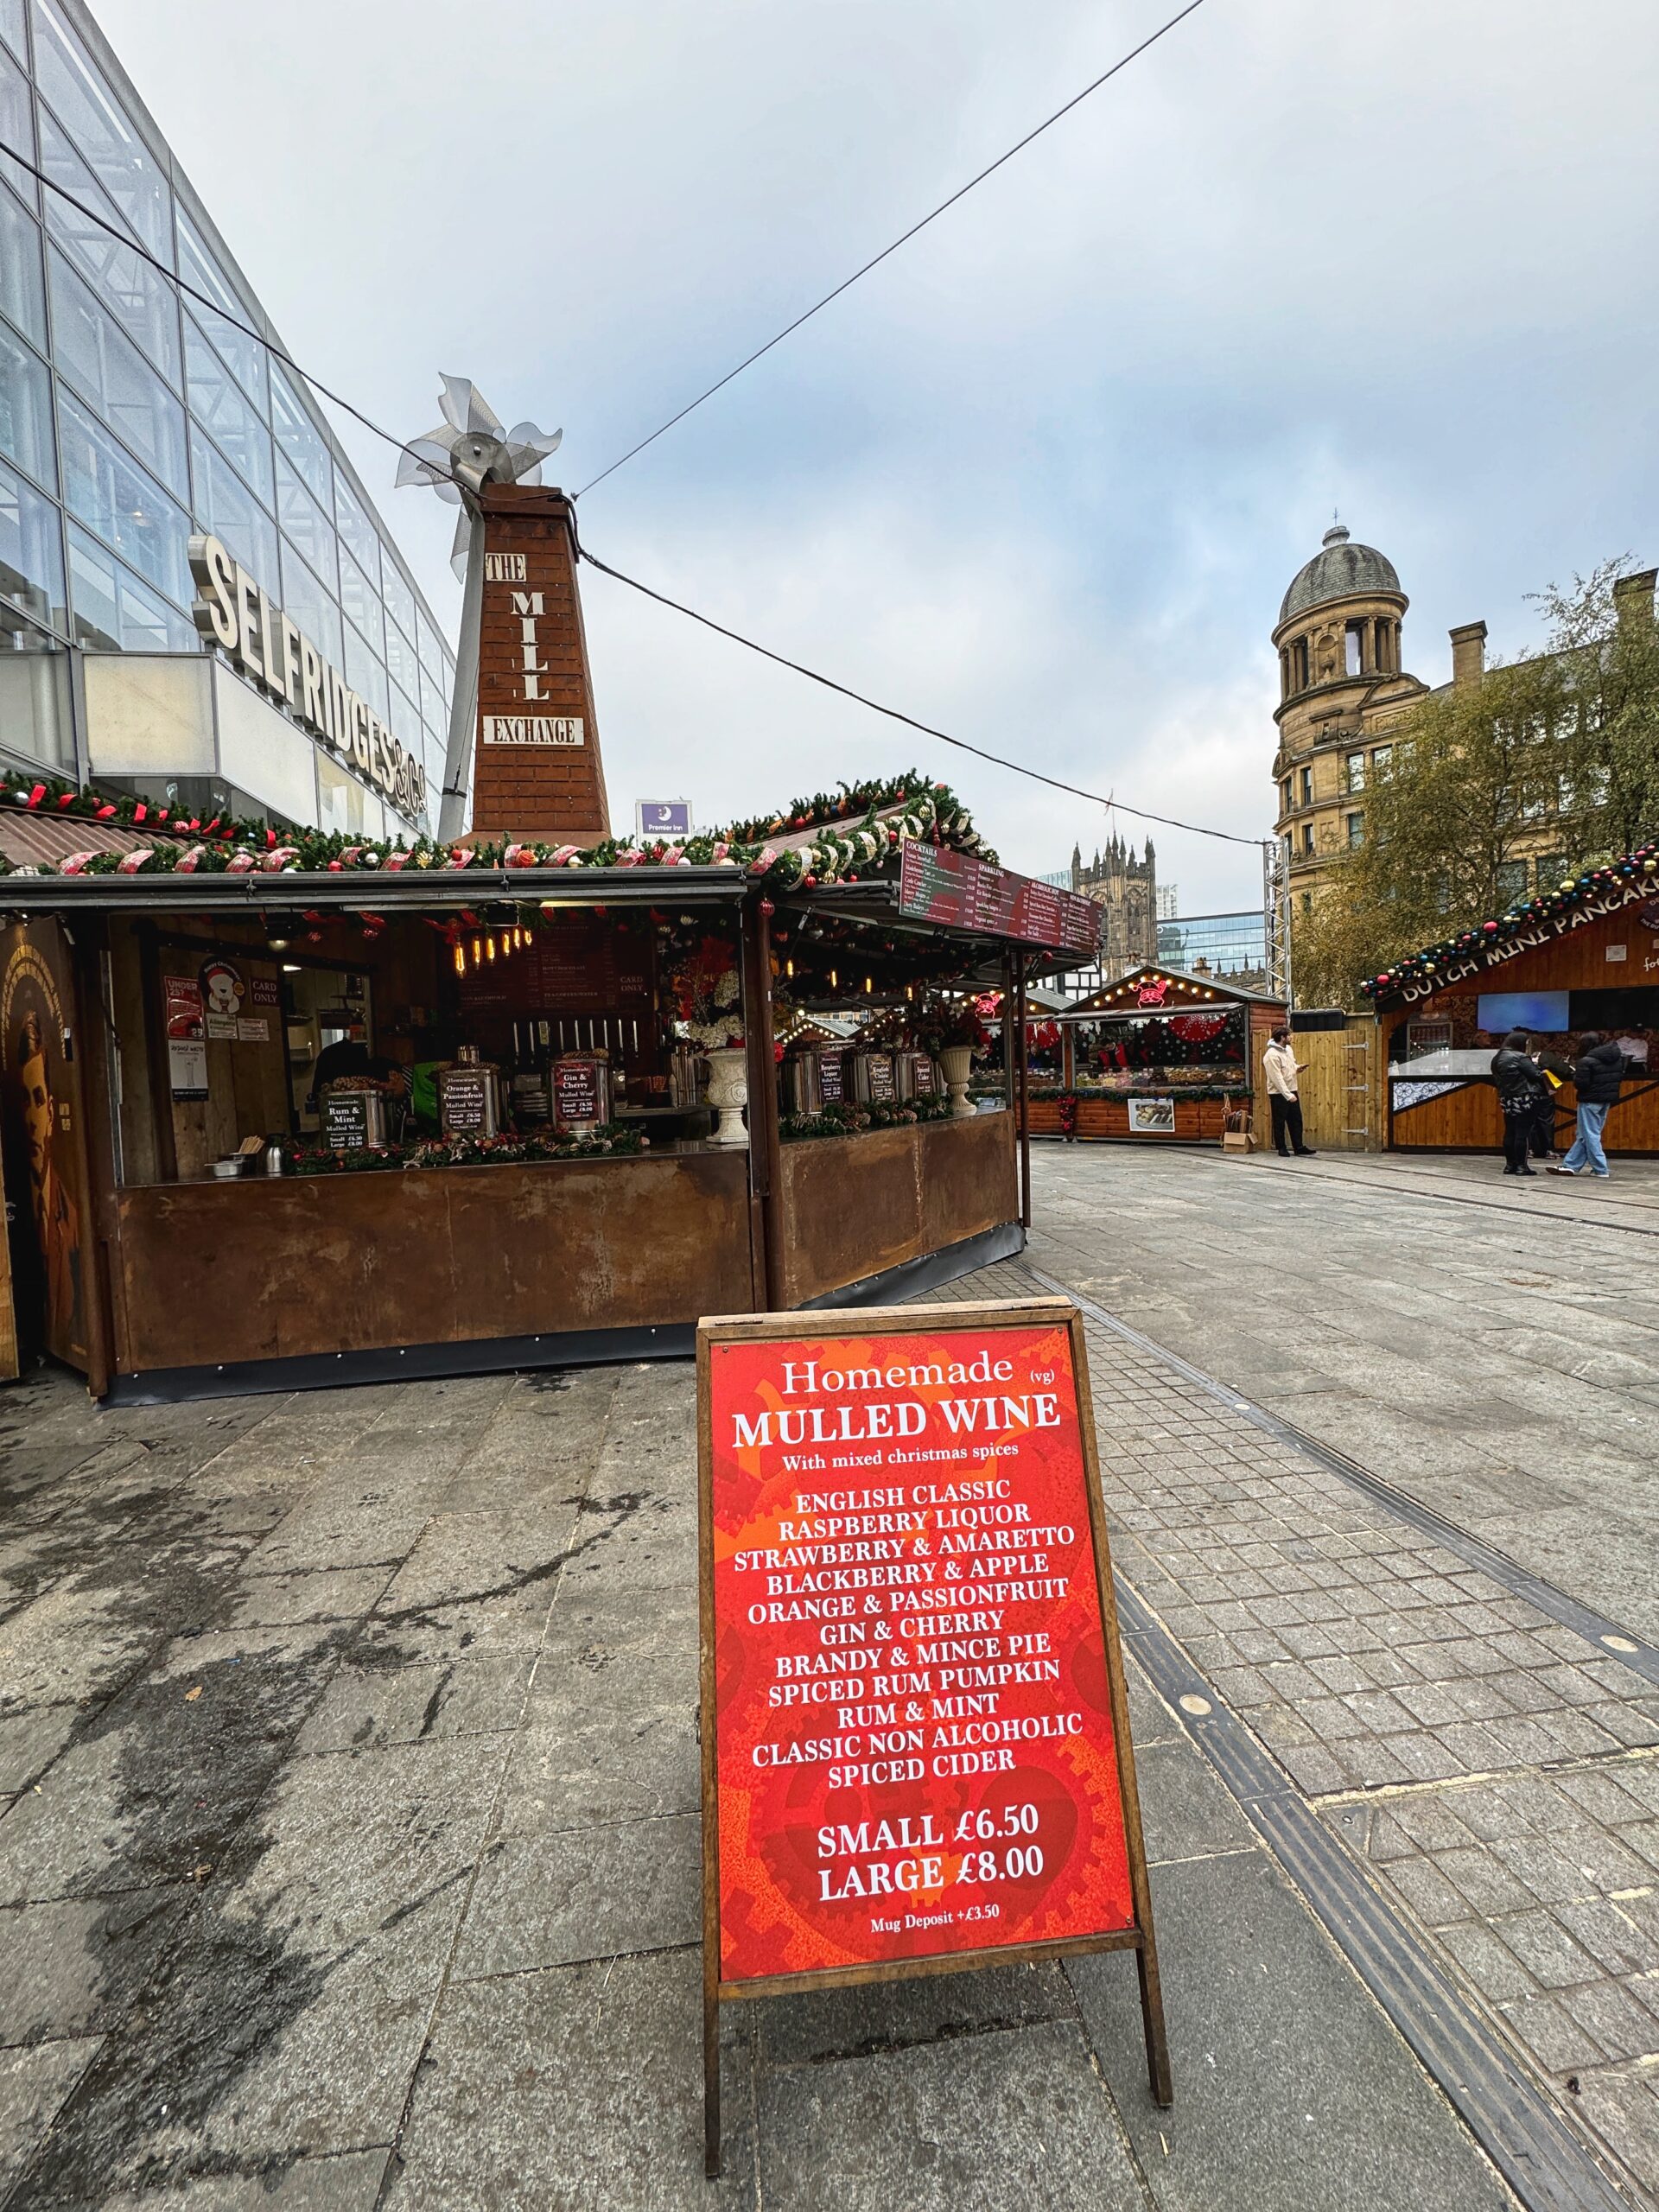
x,y
924,1081
577,963
915,1733
878,1069
832,1068
964,892
466,1105
914,1708
577,1092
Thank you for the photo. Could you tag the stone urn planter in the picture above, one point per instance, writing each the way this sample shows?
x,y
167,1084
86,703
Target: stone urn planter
x,y
956,1064
729,1093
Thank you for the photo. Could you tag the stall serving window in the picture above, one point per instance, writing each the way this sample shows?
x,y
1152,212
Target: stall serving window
x,y
1200,1048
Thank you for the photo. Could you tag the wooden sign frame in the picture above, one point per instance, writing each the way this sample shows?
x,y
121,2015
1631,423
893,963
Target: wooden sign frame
x,y
864,1324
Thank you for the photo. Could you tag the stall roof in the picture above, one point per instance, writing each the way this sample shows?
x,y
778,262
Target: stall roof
x,y
380,890
875,902
1130,994
1552,914
903,855
46,840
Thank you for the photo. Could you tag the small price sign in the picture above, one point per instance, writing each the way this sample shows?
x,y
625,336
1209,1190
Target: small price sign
x,y
577,1092
345,1120
466,1102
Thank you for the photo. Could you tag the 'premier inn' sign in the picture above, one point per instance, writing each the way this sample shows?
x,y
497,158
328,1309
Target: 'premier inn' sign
x,y
915,1737
234,612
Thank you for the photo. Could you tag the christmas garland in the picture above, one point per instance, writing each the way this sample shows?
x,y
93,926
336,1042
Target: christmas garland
x,y
850,839
860,803
1579,900
853,1121
1046,1093
615,1139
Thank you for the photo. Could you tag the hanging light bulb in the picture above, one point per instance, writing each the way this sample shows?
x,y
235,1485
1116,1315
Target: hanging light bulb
x,y
489,948
833,985
868,987
789,967
478,953
460,961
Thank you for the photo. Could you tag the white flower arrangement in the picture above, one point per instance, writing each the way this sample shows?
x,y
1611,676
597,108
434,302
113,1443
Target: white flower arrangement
x,y
713,1036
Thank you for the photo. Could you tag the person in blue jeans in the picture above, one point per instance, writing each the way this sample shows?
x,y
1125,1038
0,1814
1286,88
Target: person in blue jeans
x,y
1596,1077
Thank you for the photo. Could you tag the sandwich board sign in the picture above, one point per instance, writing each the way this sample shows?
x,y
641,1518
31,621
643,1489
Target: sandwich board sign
x,y
915,1736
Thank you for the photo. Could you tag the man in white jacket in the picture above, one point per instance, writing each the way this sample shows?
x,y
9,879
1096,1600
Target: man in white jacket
x,y
1280,1066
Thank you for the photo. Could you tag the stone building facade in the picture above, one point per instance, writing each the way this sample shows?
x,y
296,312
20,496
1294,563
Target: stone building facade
x,y
1344,688
1126,890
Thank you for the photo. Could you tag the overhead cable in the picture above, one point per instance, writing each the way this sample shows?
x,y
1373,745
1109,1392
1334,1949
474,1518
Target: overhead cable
x,y
893,714
124,237
886,251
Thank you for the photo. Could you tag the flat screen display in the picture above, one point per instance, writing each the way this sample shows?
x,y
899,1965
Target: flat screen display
x,y
1544,1011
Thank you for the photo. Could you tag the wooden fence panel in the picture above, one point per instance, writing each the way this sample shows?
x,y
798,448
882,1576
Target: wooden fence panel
x,y
1341,1086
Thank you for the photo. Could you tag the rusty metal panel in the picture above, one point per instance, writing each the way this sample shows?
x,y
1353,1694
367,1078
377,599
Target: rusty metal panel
x,y
855,1205
606,1244
852,1206
293,1266
968,1178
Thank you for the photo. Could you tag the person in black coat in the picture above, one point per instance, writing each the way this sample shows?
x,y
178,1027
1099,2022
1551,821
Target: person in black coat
x,y
1543,1120
1521,1085
1596,1077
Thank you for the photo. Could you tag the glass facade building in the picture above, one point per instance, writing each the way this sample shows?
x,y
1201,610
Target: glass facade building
x,y
1233,945
133,415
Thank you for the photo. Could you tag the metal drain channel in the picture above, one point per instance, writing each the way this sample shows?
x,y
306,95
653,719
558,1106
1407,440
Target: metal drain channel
x,y
1614,1641
1550,2166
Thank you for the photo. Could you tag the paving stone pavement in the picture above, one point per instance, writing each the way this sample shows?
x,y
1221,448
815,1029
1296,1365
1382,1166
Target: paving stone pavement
x,y
1497,1771
348,1854
1494,1348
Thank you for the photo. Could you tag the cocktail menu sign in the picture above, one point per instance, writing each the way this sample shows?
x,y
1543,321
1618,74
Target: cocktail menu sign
x,y
916,1748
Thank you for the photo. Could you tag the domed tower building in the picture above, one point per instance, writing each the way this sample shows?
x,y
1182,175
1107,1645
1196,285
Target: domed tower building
x,y
1342,686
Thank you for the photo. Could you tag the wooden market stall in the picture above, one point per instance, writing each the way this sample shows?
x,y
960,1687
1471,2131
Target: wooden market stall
x,y
1583,957
1160,1054
321,1112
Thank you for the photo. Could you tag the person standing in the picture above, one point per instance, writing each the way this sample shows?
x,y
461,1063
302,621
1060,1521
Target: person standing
x,y
1282,1067
1520,1087
1596,1077
1556,1071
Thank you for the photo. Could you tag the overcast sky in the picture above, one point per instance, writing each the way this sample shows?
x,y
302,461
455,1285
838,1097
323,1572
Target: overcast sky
x,y
1041,479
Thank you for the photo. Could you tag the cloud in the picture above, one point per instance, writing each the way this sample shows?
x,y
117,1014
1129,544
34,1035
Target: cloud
x,y
1043,476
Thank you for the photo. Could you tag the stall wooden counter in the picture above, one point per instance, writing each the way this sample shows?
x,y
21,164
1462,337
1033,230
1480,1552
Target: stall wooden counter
x,y
917,1190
